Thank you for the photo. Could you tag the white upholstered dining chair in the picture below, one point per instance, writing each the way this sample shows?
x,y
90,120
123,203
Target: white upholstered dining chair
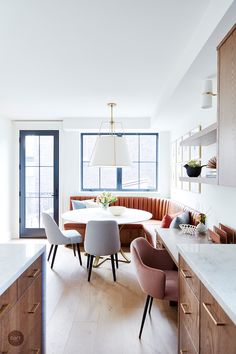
x,y
102,238
57,237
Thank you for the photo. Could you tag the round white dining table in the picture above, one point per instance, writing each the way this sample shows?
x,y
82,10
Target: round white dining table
x,y
83,216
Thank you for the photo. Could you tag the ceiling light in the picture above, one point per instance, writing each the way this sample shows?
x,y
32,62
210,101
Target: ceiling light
x,y
111,148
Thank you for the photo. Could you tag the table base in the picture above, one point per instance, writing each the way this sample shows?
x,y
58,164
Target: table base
x,y
97,259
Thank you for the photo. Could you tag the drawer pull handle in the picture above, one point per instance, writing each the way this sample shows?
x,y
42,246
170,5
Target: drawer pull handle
x,y
206,307
185,274
185,309
182,351
36,351
34,308
3,308
34,274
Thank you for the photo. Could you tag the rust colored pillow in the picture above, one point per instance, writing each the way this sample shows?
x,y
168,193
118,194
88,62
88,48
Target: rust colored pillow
x,y
165,222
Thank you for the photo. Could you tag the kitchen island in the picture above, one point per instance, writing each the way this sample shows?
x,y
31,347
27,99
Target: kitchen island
x,y
22,298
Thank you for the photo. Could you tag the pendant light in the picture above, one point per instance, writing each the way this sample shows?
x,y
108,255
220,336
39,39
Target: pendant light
x,y
110,149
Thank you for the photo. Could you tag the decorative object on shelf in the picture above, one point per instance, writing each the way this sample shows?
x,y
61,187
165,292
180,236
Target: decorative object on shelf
x,y
201,227
117,210
110,149
207,94
105,199
188,229
212,163
193,168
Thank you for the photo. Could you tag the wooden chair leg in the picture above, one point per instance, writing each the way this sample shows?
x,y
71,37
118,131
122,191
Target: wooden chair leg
x,y
144,315
113,267
73,246
54,256
150,305
90,266
88,259
49,255
79,255
116,258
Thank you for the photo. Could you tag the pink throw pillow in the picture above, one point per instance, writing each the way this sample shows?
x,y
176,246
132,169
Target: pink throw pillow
x,y
166,221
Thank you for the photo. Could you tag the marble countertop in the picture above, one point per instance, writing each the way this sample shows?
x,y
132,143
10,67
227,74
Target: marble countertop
x,y
15,259
215,266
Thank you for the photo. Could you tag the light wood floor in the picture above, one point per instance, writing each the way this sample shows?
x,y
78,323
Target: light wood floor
x,y
103,316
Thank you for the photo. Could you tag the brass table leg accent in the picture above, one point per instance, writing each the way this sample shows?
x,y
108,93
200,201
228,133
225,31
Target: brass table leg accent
x,y
127,260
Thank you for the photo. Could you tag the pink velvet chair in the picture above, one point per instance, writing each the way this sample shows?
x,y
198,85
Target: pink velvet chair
x,y
155,273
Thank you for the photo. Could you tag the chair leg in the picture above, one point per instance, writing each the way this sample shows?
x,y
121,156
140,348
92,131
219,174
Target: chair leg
x,y
144,315
79,255
54,255
73,246
150,305
116,258
113,267
49,255
90,267
88,259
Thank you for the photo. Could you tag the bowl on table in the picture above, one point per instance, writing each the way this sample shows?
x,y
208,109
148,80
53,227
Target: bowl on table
x,y
117,210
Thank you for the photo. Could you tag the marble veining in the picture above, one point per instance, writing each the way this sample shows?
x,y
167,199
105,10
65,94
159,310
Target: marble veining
x,y
215,265
15,259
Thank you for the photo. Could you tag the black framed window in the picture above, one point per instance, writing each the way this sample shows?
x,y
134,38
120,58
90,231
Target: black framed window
x,y
142,175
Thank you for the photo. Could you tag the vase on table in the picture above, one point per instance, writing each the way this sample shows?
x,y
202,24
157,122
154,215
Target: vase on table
x,y
201,228
105,206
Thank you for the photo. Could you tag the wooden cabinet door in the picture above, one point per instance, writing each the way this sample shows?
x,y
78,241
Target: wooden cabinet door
x,y
218,333
17,325
189,312
227,110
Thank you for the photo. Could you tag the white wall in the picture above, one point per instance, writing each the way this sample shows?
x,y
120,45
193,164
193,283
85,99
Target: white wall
x,y
69,167
218,202
5,178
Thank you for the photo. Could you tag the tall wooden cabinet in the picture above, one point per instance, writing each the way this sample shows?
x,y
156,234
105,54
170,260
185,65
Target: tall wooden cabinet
x,y
227,109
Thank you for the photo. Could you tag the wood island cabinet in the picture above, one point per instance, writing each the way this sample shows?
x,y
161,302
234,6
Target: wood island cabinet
x,y
21,313
204,327
227,109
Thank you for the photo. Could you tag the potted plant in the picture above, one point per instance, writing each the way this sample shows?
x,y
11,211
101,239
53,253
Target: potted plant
x,y
193,168
201,227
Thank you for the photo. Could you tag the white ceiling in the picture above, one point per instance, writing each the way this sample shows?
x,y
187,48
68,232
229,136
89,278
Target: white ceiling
x,y
68,58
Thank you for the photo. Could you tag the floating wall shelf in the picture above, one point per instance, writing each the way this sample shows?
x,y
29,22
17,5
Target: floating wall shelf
x,y
205,137
207,180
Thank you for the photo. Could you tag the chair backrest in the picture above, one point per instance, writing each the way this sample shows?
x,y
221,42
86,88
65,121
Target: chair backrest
x,y
102,238
151,280
53,233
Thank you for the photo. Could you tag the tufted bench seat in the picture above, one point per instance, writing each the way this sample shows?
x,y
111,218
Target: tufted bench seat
x,y
157,206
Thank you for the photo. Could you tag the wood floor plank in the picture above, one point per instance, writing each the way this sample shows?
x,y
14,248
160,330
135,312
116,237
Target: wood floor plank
x,y
103,316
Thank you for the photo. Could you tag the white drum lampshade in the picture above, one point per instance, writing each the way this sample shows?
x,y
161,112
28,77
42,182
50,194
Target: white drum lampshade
x,y
110,151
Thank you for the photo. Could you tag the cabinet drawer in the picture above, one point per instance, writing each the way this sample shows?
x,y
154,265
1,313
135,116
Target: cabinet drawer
x,y
190,277
8,299
189,312
218,332
17,326
29,275
185,343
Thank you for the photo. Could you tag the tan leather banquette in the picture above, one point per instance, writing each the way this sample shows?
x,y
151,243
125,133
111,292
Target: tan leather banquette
x,y
157,206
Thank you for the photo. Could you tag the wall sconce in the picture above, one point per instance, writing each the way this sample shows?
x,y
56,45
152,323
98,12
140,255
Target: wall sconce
x,y
207,94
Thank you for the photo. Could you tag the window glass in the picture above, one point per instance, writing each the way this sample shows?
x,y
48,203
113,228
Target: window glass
x,y
141,175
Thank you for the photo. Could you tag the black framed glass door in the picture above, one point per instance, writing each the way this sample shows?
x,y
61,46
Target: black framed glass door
x,y
39,179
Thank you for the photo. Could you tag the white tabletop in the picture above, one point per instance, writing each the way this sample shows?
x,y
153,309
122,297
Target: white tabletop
x,y
83,216
172,238
15,259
